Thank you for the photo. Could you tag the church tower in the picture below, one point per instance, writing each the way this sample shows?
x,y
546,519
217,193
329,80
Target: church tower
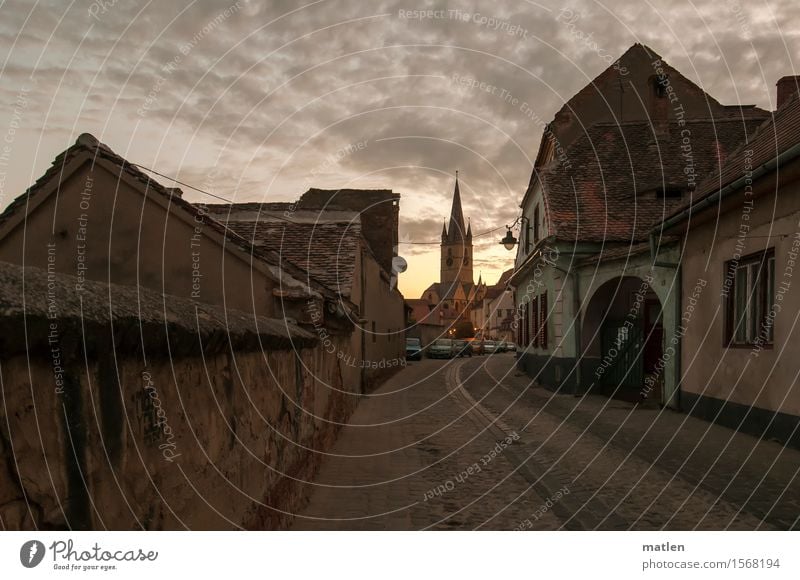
x,y
456,264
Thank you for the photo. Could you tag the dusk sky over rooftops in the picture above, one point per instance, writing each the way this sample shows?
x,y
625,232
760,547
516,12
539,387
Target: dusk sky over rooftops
x,y
259,101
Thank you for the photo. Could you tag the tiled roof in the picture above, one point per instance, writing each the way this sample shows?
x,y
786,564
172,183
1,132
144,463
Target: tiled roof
x,y
505,277
422,311
780,132
636,57
327,250
608,190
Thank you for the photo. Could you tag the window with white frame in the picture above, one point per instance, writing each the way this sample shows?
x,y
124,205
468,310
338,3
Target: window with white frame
x,y
749,288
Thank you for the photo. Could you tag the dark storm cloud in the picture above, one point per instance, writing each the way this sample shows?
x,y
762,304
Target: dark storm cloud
x,y
269,94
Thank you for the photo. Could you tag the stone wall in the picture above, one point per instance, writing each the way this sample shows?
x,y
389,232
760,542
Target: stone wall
x,y
125,409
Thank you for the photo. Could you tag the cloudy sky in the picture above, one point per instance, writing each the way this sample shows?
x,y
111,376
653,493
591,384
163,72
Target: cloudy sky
x,y
258,100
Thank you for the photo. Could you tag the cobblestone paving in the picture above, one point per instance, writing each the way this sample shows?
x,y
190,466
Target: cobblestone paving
x,y
429,450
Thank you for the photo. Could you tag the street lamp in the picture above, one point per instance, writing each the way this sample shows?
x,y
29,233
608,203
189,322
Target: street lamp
x,y
509,241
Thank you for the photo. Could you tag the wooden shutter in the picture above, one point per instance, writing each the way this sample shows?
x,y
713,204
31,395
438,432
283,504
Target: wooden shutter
x,y
543,320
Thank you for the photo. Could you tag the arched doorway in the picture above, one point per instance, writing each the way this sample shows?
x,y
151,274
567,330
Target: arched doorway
x,y
623,337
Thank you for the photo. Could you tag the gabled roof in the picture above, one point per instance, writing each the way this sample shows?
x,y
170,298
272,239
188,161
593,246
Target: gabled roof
x,y
448,290
639,59
608,191
88,149
620,94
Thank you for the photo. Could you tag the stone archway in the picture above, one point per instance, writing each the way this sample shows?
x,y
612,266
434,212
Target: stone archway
x,y
622,338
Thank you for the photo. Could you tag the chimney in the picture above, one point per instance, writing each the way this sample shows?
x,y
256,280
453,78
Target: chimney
x,y
787,87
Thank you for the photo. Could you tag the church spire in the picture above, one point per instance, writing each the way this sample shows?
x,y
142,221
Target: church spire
x,y
456,229
444,230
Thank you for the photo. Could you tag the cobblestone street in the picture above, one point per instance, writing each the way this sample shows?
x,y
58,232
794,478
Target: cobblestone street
x,y
470,444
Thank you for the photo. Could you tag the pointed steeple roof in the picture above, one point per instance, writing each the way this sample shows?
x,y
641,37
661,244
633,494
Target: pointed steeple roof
x,y
469,229
444,230
456,229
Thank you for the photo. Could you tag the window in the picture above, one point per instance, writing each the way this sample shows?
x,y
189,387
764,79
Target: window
x,y
749,290
536,224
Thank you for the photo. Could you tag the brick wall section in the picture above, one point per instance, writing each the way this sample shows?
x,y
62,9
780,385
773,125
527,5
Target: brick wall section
x,y
155,412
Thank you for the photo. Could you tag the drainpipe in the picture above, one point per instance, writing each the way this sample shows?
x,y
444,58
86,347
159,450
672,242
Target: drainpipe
x,y
678,306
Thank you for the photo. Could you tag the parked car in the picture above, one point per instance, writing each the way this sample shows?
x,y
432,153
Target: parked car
x,y
504,346
463,348
413,349
476,345
489,346
441,348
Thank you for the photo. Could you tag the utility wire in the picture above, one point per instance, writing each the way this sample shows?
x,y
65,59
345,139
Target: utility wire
x,y
214,195
487,232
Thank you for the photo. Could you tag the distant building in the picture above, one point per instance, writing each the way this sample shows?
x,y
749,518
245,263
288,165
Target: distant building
x,y
451,297
493,313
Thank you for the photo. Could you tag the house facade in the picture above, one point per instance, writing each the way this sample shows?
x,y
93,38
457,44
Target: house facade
x,y
98,217
493,310
740,250
595,310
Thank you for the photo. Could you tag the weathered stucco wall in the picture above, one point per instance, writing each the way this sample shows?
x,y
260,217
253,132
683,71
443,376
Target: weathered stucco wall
x,y
101,228
133,410
765,378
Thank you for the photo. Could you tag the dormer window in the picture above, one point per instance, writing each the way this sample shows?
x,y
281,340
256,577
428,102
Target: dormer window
x,y
669,192
659,86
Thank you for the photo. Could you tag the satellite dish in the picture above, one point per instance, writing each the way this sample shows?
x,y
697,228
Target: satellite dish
x,y
399,264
